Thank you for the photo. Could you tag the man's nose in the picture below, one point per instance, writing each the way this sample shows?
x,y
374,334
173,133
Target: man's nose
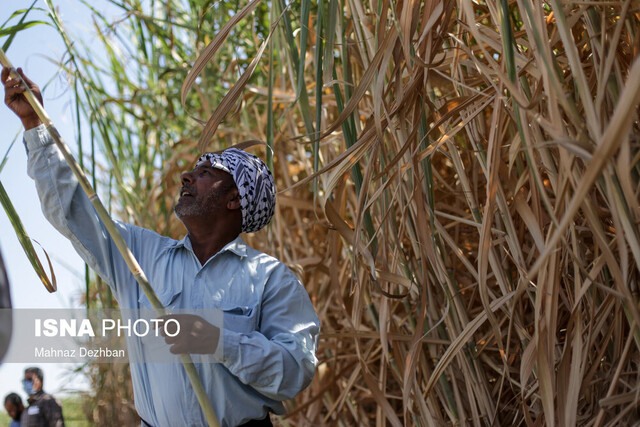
x,y
186,177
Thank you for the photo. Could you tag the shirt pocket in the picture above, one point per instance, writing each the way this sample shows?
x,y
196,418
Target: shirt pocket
x,y
150,345
239,318
168,299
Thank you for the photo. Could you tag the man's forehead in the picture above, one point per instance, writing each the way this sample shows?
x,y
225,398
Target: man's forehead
x,y
212,169
202,166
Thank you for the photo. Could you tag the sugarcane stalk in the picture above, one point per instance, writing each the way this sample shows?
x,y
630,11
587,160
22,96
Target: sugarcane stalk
x,y
126,253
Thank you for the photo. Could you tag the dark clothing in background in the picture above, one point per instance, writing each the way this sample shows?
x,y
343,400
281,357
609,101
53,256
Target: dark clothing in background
x,y
44,411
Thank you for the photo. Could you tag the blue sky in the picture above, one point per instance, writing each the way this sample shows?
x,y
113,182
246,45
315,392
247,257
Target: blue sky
x,y
36,50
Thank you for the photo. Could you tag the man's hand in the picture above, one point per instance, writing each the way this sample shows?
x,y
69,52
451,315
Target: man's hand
x,y
197,336
16,101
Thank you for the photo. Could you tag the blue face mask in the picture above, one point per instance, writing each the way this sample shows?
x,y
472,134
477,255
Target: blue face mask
x,y
27,386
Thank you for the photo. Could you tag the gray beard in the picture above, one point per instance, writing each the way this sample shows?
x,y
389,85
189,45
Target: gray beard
x,y
199,207
193,209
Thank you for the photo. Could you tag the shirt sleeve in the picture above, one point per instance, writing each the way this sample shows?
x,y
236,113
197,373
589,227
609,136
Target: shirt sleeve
x,y
278,360
68,209
52,412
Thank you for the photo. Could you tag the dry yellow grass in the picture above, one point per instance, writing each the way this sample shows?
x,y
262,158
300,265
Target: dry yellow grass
x,y
497,281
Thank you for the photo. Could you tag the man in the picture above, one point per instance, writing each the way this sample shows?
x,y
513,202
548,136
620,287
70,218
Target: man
x,y
270,327
14,407
43,410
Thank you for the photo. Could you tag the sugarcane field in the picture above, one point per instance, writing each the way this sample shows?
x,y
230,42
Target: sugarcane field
x,y
320,213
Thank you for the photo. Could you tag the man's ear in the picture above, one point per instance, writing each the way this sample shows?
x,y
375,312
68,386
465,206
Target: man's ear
x,y
233,202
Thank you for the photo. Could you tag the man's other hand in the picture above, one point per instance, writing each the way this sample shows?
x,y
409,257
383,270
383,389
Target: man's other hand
x,y
14,97
197,336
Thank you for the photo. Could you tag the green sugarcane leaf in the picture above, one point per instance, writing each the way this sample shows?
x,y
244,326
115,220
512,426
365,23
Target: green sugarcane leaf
x,y
12,31
25,241
22,12
22,25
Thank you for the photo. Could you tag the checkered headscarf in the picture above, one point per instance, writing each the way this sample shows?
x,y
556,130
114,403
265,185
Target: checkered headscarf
x,y
255,185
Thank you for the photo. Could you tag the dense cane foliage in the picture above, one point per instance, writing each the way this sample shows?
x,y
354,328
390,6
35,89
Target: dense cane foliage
x,y
458,189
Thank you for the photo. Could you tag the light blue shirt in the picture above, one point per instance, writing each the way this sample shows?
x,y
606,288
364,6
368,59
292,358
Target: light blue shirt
x,y
270,326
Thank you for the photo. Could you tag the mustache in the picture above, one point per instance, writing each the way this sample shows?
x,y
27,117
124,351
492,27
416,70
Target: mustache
x,y
187,189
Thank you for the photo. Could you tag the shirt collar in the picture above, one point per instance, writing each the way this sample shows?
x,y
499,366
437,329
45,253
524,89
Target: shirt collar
x,y
35,397
237,246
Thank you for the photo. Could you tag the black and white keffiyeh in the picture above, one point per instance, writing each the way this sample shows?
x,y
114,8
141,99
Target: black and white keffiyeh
x,y
255,185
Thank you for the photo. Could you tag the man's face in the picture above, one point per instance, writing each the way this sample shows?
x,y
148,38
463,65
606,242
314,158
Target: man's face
x,y
13,410
203,192
37,384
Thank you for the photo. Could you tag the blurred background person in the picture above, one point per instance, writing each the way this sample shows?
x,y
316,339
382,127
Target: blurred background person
x,y
13,405
44,410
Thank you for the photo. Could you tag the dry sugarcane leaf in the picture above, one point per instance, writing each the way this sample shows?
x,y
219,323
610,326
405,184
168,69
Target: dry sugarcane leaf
x,y
459,341
209,52
229,99
612,138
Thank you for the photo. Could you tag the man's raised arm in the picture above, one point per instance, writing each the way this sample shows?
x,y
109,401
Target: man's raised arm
x,y
63,202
